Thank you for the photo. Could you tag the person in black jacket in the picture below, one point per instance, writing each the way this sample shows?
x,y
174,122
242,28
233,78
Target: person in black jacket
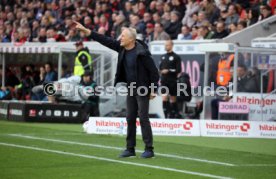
x,y
220,31
91,104
175,25
170,67
135,67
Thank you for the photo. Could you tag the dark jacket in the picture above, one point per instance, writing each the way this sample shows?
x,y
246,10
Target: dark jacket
x,y
146,71
249,85
174,29
220,35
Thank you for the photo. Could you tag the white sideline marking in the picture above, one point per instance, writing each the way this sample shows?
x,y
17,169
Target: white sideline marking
x,y
115,161
118,148
257,165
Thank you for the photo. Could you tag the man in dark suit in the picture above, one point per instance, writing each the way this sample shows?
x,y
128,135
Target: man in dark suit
x,y
135,67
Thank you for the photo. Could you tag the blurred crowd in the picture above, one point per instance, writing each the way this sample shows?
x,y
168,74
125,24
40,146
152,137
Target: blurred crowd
x,y
19,81
52,20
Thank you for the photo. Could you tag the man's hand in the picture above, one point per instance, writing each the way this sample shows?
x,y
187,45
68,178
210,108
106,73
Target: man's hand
x,y
80,27
152,96
165,71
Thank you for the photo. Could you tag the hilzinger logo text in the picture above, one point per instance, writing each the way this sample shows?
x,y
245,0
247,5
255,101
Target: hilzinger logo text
x,y
229,127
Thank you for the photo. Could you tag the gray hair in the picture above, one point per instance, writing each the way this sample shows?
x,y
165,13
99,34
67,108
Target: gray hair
x,y
132,32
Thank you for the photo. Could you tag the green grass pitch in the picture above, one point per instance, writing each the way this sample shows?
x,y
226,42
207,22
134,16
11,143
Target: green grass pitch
x,y
39,150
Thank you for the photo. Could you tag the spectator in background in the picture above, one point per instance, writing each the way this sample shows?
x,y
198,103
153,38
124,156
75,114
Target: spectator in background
x,y
118,24
88,22
50,36
195,18
35,29
15,36
253,16
185,33
102,31
210,10
136,24
42,36
165,20
159,33
146,19
233,28
104,24
26,32
142,8
177,5
220,31
233,16
17,17
68,25
203,33
194,32
241,25
152,7
42,74
222,4
149,33
127,10
167,8
157,18
72,36
175,25
3,36
159,7
191,8
201,19
50,75
266,12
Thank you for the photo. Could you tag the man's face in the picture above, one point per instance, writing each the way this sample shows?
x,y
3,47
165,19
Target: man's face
x,y
231,10
201,16
241,72
174,17
184,30
86,79
42,32
220,27
265,12
87,21
168,46
47,68
126,38
146,17
157,28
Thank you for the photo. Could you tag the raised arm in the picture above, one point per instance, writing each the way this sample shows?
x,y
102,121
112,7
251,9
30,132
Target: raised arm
x,y
104,40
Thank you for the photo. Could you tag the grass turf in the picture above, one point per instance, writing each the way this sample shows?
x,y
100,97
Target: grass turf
x,y
26,163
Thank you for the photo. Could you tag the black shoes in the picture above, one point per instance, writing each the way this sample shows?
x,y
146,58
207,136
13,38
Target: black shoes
x,y
147,154
127,153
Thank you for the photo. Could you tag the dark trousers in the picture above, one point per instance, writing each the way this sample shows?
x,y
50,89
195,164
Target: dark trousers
x,y
91,109
215,108
138,105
